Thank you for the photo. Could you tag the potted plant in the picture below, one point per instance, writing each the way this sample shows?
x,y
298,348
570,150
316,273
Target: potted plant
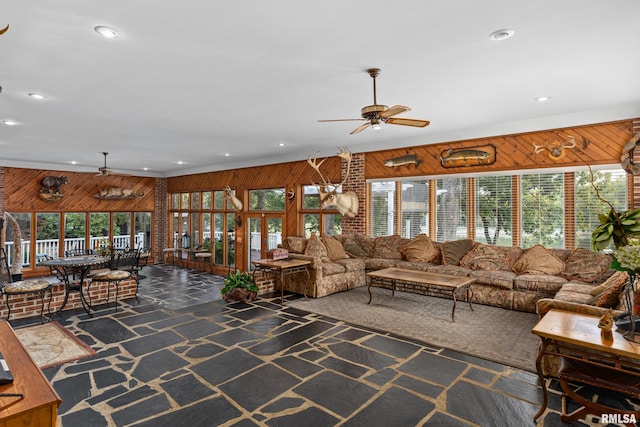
x,y
239,287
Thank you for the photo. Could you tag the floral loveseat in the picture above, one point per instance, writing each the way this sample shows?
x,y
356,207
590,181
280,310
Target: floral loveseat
x,y
507,277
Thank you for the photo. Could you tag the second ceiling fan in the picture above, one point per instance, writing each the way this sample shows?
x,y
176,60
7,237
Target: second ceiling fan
x,y
376,114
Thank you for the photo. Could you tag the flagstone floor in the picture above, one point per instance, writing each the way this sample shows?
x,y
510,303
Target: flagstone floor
x,y
182,357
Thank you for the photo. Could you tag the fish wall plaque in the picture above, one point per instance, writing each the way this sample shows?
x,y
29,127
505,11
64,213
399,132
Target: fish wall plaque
x,y
406,160
471,156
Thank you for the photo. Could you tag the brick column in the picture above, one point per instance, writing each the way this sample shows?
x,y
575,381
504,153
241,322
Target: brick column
x,y
356,182
160,219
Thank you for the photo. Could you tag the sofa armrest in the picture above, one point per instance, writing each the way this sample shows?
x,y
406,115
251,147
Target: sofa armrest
x,y
545,304
315,268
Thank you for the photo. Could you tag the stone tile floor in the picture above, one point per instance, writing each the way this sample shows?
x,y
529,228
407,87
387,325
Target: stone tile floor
x,y
182,357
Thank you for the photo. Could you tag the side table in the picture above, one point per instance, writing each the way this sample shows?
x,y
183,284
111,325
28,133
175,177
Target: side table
x,y
282,268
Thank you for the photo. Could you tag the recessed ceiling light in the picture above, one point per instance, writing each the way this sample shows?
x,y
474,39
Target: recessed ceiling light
x,y
106,32
281,144
227,154
180,162
500,35
73,162
542,98
36,95
145,169
10,122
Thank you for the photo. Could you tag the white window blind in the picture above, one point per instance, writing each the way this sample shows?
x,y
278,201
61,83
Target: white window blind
x,y
543,210
451,209
493,210
383,208
415,208
612,186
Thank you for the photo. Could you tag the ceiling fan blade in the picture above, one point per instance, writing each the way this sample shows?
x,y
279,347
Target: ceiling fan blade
x,y
392,111
360,128
342,120
407,122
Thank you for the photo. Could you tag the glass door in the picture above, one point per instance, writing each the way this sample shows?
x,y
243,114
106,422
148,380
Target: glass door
x,y
264,233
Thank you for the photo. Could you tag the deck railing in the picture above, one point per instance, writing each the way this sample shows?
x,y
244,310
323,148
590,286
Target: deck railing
x,y
51,247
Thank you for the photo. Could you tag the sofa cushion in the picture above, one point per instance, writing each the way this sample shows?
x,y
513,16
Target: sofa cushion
x,y
387,247
378,263
353,264
331,268
358,245
572,296
455,270
618,275
563,254
420,249
544,283
453,251
334,248
315,248
485,257
538,260
496,278
586,265
295,245
610,297
411,265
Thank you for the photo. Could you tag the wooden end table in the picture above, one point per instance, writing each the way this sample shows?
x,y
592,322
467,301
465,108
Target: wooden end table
x,y
422,282
282,268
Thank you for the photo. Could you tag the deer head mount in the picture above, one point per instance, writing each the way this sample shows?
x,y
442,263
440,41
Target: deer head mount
x,y
556,148
347,202
232,199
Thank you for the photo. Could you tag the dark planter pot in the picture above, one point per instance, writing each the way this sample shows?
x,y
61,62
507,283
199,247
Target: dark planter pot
x,y
16,277
240,295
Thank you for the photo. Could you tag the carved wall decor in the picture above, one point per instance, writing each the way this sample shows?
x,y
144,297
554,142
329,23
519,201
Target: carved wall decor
x,y
117,193
472,156
626,158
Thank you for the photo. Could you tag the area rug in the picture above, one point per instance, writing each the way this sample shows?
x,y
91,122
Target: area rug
x,y
491,333
50,344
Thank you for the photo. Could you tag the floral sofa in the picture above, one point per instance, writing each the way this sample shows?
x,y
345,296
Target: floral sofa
x,y
507,277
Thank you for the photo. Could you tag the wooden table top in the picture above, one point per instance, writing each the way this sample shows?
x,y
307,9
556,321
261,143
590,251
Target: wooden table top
x,y
280,263
582,330
27,378
424,277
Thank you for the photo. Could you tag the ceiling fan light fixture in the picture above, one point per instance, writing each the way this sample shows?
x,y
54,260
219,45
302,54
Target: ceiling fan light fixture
x,y
106,32
500,35
375,124
37,96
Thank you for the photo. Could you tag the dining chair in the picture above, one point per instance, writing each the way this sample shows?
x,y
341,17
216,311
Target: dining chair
x,y
23,287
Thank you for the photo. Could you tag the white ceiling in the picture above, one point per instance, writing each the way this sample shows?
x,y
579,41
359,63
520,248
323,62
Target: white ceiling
x,y
191,80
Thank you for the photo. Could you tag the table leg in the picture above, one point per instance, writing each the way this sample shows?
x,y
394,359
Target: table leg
x,y
453,310
281,287
370,279
469,296
543,383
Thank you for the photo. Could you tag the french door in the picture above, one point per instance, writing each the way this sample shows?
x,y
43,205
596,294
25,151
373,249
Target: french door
x,y
265,231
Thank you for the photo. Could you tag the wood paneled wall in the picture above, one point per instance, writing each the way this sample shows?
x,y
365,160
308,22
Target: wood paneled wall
x,y
22,187
595,145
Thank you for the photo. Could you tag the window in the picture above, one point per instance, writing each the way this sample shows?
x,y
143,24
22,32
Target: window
x,y
19,246
142,230
75,225
451,209
267,200
493,210
383,208
121,235
314,220
612,185
543,210
415,208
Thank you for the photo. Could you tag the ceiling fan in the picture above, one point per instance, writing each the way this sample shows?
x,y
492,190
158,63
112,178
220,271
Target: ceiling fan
x,y
106,171
376,113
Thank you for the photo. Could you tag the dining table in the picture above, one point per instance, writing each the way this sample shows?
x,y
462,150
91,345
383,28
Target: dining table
x,y
68,268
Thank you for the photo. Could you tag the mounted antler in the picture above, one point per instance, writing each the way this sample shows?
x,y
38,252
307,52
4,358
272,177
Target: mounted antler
x,y
346,203
555,148
232,199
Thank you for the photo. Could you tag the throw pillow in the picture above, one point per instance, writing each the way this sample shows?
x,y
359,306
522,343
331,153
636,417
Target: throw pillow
x,y
420,249
366,243
334,248
615,277
387,247
352,248
586,266
538,260
295,245
609,298
453,251
485,257
315,248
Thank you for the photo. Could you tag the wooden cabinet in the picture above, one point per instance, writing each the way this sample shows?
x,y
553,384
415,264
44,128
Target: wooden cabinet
x,y
39,407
